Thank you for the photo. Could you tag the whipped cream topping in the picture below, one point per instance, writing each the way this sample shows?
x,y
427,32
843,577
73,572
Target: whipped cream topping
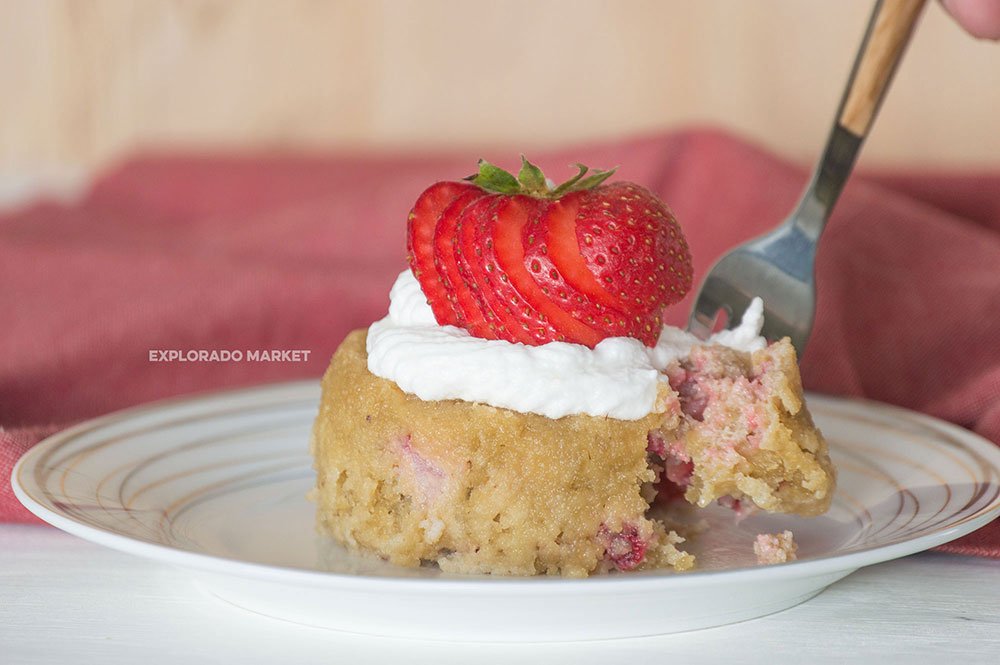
x,y
618,378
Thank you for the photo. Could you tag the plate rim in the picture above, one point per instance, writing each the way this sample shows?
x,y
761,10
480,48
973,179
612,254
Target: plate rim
x,y
457,584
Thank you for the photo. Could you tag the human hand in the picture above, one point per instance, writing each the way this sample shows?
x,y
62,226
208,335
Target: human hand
x,y
980,18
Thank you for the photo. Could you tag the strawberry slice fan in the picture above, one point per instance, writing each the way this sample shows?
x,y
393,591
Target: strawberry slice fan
x,y
517,259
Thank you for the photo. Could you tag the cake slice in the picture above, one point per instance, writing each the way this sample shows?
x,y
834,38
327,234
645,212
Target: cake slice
x,y
522,409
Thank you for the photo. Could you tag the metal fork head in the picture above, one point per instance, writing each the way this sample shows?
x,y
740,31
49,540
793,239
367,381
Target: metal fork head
x,y
778,268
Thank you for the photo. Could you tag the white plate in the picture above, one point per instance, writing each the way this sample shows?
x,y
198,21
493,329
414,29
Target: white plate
x,y
216,484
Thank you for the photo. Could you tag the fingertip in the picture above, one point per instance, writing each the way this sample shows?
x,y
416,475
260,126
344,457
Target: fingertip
x,y
980,18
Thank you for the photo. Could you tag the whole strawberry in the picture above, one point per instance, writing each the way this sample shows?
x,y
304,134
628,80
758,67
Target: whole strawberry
x,y
510,258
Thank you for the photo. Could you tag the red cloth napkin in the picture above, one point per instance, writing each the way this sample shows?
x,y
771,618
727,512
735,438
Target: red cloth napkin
x,y
292,252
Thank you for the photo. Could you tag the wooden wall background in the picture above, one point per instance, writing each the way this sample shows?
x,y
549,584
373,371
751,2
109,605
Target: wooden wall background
x,y
87,81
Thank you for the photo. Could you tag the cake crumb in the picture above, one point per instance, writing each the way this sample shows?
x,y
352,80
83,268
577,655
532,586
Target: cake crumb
x,y
775,548
433,529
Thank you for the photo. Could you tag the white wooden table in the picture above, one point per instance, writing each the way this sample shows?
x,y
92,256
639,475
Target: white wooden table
x,y
64,600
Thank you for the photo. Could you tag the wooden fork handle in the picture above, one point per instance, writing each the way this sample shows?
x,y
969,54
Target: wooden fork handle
x,y
890,27
889,30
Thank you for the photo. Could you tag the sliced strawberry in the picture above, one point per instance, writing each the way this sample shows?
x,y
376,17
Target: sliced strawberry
x,y
634,247
550,242
511,262
517,320
458,296
465,257
420,226
511,257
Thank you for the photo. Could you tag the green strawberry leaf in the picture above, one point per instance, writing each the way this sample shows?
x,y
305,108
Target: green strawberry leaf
x,y
594,179
495,179
532,179
566,186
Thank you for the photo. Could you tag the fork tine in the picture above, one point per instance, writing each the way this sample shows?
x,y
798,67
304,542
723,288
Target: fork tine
x,y
699,325
716,294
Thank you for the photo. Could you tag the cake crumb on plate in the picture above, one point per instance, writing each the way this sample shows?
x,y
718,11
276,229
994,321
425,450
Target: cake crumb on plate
x,y
775,548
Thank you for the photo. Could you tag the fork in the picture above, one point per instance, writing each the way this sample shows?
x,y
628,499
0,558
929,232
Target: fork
x,y
778,266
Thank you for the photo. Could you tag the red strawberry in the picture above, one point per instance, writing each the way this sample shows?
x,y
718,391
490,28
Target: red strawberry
x,y
490,262
554,322
634,247
458,295
420,227
550,244
516,319
511,258
471,278
626,549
